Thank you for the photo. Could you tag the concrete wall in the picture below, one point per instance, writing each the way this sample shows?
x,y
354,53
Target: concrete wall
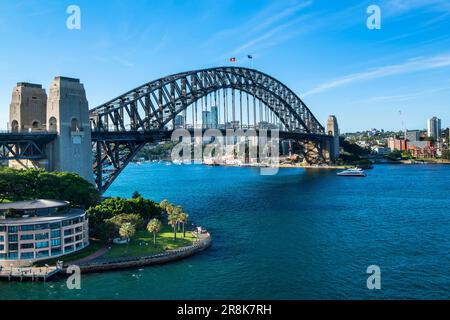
x,y
68,115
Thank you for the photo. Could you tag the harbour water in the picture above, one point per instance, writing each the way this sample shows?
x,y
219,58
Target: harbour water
x,y
301,234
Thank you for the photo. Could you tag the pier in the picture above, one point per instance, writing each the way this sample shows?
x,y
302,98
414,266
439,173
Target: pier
x,y
29,273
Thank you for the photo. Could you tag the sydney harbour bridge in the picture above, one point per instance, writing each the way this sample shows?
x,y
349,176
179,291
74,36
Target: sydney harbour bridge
x,y
59,132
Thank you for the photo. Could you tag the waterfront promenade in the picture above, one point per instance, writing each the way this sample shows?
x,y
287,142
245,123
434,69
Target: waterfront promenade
x,y
95,262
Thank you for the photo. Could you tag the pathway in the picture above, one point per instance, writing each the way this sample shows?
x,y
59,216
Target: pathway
x,y
99,253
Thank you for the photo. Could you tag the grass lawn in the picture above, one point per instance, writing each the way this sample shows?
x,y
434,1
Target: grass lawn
x,y
142,243
93,247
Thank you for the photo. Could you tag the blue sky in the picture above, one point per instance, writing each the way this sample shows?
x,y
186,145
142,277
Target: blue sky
x,y
320,49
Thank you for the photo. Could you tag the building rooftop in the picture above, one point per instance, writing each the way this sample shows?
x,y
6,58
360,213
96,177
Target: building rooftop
x,y
72,213
33,205
29,85
61,78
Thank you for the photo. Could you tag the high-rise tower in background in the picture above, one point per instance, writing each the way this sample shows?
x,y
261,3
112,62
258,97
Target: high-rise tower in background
x,y
434,128
214,117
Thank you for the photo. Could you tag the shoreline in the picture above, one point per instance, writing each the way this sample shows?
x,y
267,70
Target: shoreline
x,y
203,242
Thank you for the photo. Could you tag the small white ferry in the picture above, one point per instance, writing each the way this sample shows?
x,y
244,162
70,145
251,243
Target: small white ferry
x,y
355,172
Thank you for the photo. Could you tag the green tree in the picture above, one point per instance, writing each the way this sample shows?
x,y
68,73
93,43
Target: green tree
x,y
154,226
183,218
177,211
173,221
133,218
136,195
127,231
113,207
163,205
105,231
16,185
446,154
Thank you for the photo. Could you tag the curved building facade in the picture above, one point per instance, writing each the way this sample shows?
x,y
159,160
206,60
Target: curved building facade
x,y
37,230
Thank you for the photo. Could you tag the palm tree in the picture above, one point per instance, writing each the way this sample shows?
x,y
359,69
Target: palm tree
x,y
163,205
173,220
127,230
183,218
178,210
169,209
154,226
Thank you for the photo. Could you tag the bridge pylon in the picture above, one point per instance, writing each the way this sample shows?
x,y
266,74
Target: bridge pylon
x,y
68,116
27,114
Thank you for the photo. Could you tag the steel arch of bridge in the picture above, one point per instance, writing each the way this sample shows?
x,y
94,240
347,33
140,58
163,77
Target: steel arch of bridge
x,y
144,108
122,126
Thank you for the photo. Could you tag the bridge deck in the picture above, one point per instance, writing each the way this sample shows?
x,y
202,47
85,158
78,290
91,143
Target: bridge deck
x,y
10,136
158,135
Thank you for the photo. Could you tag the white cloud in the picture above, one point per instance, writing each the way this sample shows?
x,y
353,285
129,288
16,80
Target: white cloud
x,y
412,65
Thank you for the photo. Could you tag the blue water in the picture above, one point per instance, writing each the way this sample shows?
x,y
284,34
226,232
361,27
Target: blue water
x,y
301,234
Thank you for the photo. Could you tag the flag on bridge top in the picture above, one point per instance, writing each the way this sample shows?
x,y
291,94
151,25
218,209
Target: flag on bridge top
x,y
233,59
250,56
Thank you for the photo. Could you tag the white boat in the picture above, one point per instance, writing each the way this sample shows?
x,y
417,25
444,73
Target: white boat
x,y
355,172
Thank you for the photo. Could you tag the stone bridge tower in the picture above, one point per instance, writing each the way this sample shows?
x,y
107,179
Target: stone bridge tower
x,y
333,130
28,107
27,113
68,116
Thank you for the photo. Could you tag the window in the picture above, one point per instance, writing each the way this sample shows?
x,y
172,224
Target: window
x,y
27,246
2,239
43,244
2,228
66,223
56,225
55,242
12,256
68,232
41,236
2,247
27,255
13,247
35,124
56,251
56,233
27,228
42,254
13,238
79,245
74,125
68,248
13,229
68,240
26,237
78,238
43,226
52,124
14,126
